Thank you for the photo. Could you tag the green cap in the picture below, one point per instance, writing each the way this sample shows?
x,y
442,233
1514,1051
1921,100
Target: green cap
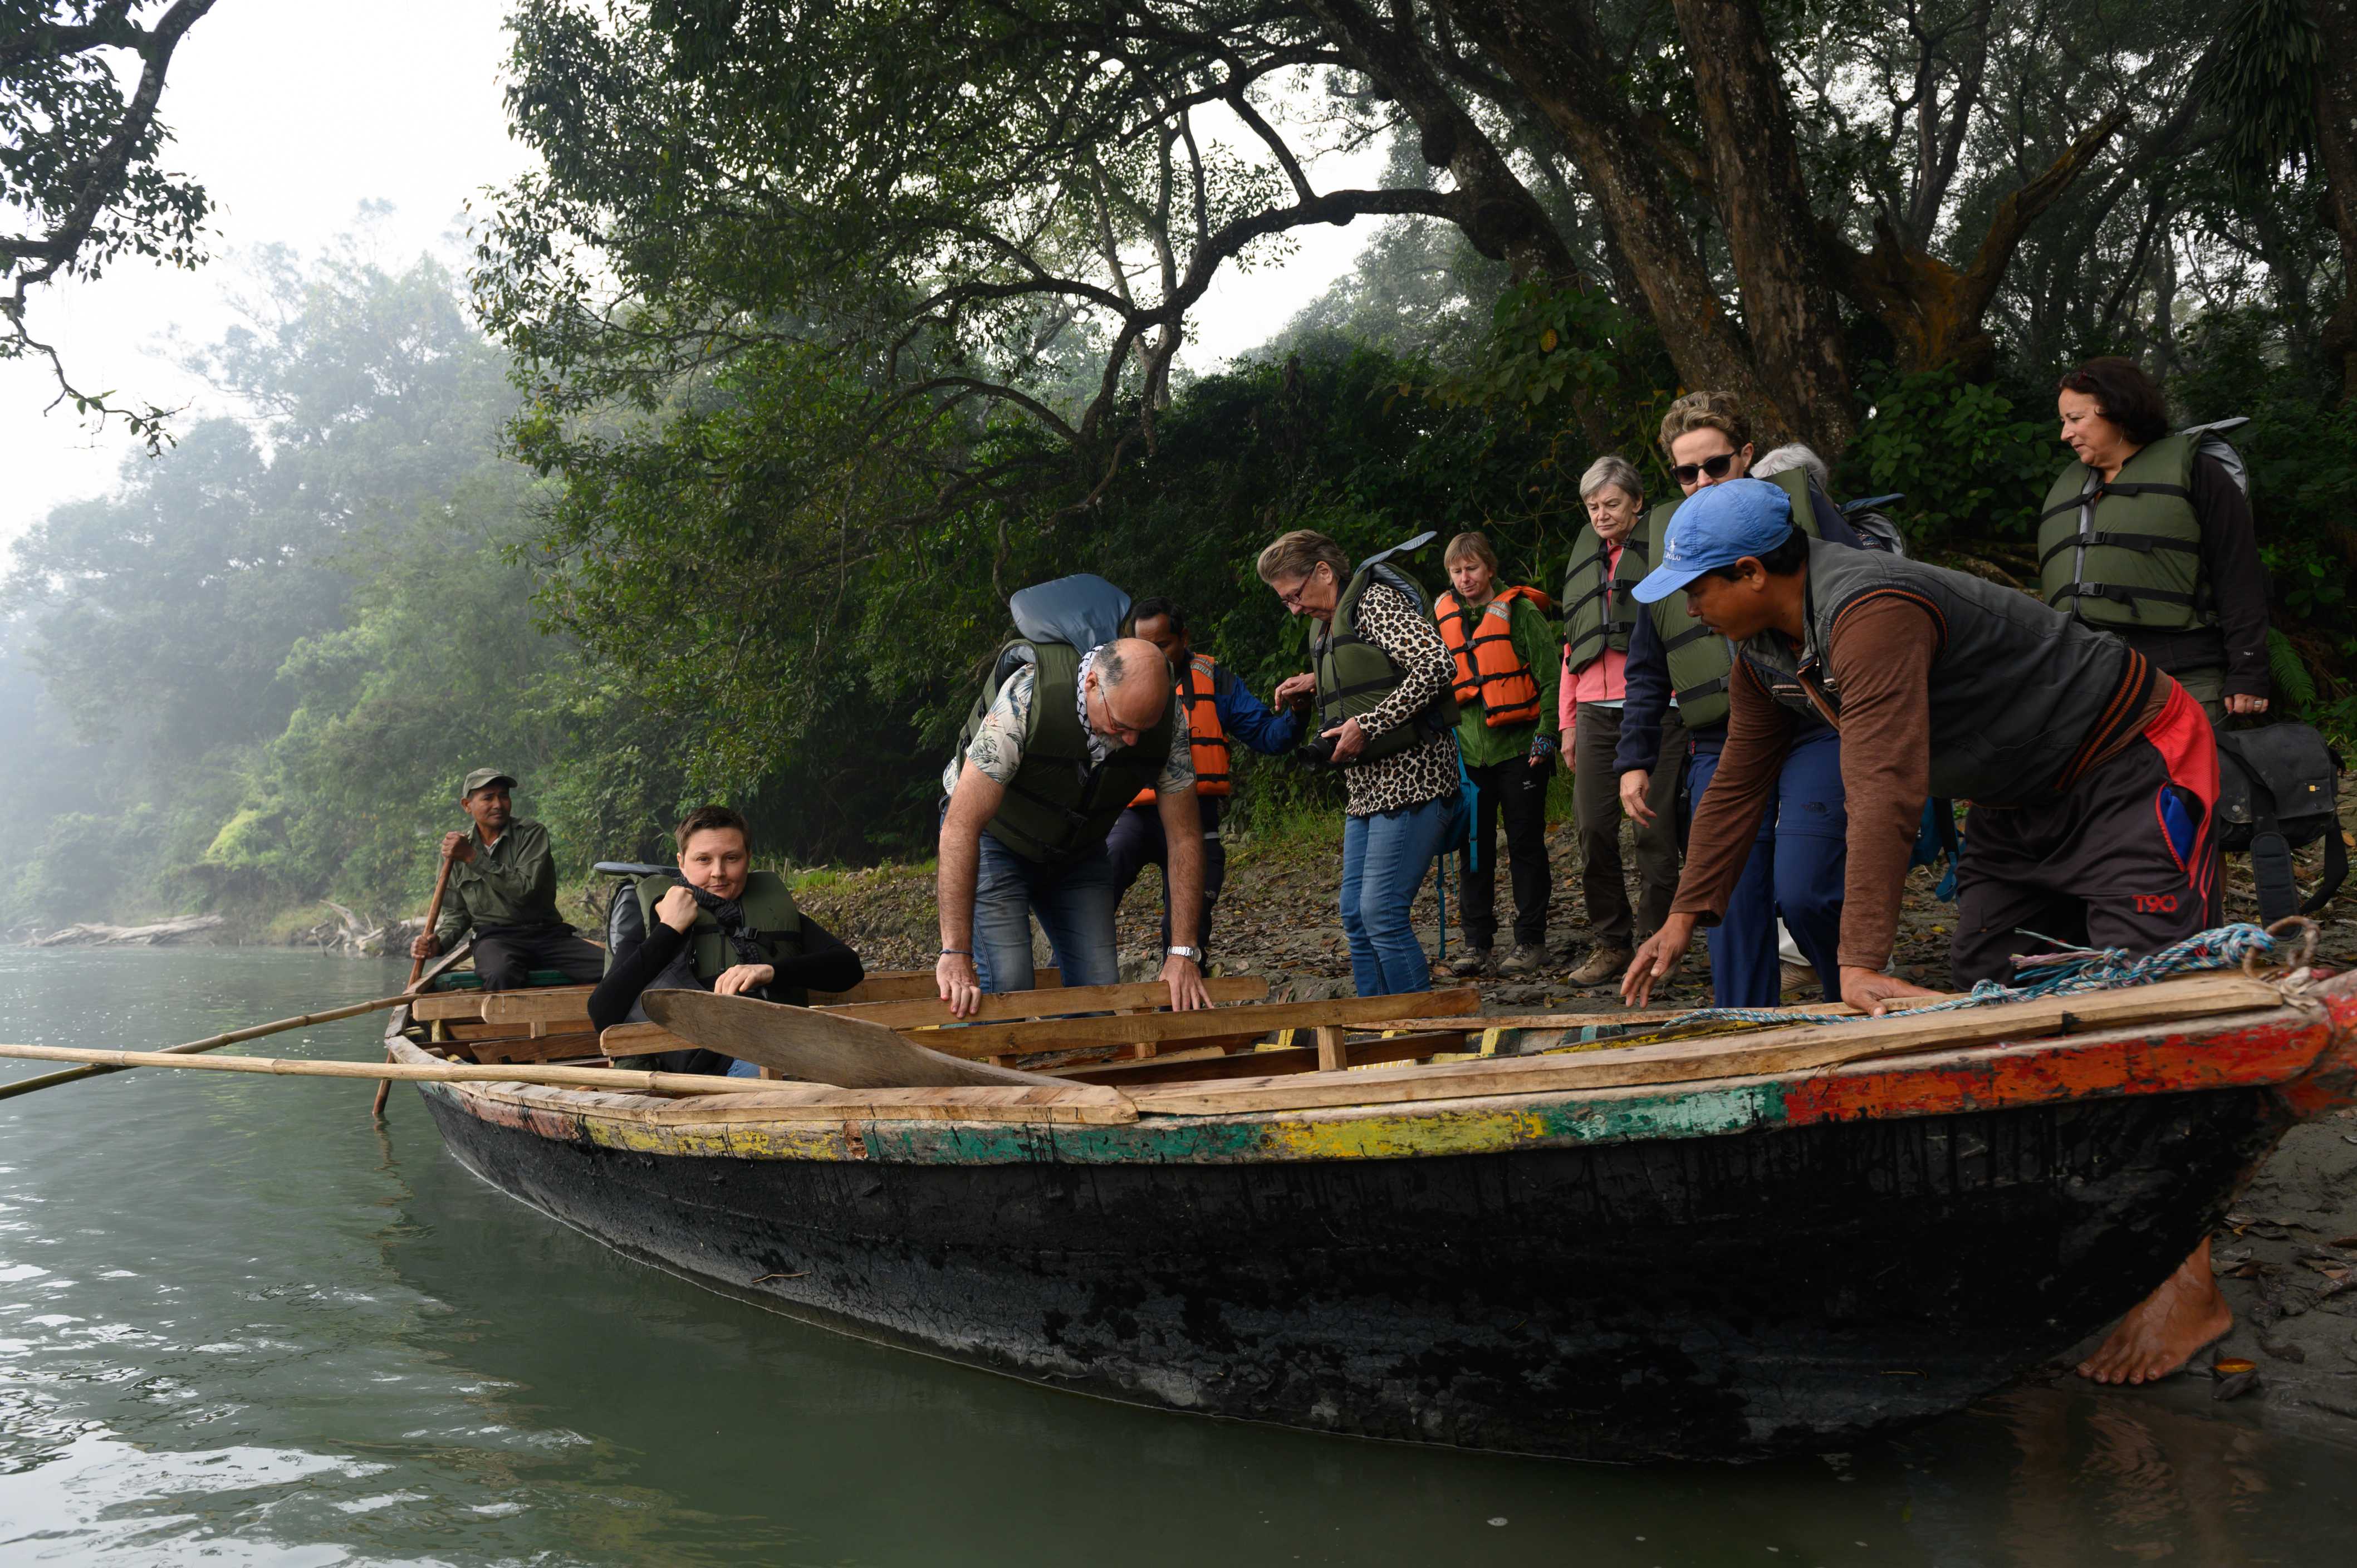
x,y
483,778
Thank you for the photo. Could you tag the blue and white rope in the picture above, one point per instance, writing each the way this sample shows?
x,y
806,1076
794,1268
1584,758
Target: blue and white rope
x,y
2068,973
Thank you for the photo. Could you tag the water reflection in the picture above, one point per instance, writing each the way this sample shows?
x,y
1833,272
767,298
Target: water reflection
x,y
237,1319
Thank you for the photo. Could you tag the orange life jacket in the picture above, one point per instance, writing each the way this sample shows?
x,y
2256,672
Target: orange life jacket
x,y
1490,668
1204,731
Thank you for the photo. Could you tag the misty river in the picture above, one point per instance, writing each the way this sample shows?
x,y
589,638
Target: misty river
x,y
240,1323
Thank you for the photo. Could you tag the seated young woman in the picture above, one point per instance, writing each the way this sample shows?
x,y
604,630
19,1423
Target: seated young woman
x,y
719,926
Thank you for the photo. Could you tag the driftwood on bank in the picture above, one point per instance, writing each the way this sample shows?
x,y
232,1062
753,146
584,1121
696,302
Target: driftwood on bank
x,y
157,935
358,935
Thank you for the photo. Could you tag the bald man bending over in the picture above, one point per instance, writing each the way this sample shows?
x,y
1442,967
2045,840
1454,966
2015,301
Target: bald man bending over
x,y
1057,749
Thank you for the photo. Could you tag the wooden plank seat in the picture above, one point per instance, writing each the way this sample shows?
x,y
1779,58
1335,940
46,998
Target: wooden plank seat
x,y
1033,1034
641,1040
577,1044
539,1005
909,986
1145,996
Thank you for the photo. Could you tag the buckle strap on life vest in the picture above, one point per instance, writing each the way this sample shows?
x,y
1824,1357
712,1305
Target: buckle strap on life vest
x,y
2144,542
1602,629
2118,594
1693,633
1710,688
2134,488
1597,592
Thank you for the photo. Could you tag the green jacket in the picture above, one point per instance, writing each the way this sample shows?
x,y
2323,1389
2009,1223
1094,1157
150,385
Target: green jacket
x,y
513,883
1542,650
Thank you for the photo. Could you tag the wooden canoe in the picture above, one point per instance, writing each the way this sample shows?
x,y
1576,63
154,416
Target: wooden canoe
x,y
1716,1248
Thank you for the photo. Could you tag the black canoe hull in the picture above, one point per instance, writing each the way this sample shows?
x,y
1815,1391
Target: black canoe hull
x,y
1730,1296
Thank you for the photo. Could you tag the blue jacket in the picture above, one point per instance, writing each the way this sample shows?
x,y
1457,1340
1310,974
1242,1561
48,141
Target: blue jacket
x,y
1248,719
1647,673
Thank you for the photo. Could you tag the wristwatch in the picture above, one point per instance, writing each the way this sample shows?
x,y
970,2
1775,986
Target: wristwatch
x,y
1192,955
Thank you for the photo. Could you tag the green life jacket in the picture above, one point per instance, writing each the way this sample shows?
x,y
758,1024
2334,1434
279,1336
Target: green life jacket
x,y
1698,657
2127,554
1355,677
770,920
1059,805
1592,620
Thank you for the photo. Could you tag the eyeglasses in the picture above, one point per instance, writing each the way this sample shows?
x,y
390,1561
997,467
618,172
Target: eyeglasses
x,y
1128,734
1717,468
1292,601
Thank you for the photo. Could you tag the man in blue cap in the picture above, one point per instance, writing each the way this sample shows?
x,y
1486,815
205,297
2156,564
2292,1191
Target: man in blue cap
x,y
2093,777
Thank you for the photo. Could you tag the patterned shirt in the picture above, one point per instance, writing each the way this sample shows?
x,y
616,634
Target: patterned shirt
x,y
997,746
1390,619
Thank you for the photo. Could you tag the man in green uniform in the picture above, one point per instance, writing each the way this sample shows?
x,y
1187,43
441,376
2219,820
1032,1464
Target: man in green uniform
x,y
503,888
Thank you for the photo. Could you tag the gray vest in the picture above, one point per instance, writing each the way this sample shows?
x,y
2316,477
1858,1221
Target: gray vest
x,y
2018,689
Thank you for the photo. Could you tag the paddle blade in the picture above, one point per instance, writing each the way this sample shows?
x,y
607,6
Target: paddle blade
x,y
822,1047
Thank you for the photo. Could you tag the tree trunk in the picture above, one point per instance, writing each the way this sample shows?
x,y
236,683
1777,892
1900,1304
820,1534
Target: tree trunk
x,y
2336,141
1557,56
1934,311
1503,221
1772,237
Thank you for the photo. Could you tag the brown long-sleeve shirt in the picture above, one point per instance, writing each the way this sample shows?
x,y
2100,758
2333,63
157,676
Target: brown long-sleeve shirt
x,y
1878,657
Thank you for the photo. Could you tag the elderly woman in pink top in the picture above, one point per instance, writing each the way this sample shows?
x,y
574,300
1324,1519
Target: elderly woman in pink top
x,y
1598,614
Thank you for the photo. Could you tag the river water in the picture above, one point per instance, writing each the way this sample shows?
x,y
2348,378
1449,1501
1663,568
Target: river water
x,y
239,1324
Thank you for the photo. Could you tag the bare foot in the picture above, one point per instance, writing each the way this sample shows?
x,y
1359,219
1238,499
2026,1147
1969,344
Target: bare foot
x,y
2161,1333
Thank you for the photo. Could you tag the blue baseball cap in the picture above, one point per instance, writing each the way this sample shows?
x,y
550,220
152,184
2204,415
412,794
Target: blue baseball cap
x,y
1717,526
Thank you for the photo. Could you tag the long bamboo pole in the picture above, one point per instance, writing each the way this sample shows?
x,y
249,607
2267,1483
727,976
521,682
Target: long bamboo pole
x,y
416,968
212,1042
406,1072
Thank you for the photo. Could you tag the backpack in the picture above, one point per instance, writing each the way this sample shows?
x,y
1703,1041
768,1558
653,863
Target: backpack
x,y
624,926
2277,787
1876,529
2210,441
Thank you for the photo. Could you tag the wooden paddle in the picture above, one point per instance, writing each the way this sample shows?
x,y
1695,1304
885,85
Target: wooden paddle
x,y
416,968
212,1042
406,1072
821,1047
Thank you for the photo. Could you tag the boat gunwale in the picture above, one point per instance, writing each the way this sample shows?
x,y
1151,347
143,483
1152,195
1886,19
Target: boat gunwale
x,y
2271,1048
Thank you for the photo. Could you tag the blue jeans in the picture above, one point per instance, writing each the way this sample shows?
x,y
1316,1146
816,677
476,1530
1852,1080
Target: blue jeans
x,y
1074,902
1795,870
1385,858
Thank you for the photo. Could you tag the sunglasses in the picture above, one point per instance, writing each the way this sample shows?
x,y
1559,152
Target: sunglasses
x,y
1717,468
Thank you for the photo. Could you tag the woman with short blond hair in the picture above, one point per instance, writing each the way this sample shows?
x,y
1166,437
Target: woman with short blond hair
x,y
1506,656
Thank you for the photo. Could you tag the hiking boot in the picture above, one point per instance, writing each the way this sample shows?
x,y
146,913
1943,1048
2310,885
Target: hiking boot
x,y
1603,963
1528,958
1476,962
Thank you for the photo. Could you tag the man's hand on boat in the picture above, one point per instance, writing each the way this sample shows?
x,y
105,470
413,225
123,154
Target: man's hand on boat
x,y
960,986
1184,976
1871,991
426,945
1656,959
458,846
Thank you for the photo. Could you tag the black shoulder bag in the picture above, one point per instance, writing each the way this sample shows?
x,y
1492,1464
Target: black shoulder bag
x,y
2277,786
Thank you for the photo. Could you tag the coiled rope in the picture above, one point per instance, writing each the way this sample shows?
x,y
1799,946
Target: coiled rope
x,y
2287,945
